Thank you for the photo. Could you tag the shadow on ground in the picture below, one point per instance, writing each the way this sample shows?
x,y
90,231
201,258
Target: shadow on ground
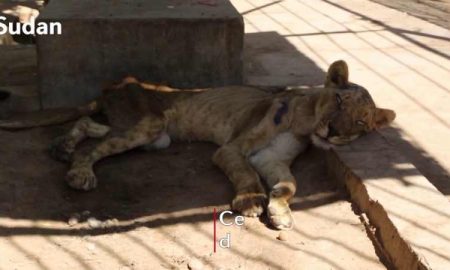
x,y
133,185
144,184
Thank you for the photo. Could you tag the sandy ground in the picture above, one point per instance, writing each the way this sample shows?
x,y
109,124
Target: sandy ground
x,y
158,206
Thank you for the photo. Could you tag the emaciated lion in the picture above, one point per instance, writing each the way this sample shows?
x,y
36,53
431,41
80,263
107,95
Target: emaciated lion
x,y
259,133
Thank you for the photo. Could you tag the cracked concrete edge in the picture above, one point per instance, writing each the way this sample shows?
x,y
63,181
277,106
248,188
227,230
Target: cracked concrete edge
x,y
371,232
399,252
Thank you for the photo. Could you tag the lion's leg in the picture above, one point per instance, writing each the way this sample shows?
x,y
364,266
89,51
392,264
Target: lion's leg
x,y
63,147
250,196
81,175
273,164
282,188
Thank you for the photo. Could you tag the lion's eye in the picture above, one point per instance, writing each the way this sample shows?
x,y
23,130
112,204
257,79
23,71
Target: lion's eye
x,y
361,123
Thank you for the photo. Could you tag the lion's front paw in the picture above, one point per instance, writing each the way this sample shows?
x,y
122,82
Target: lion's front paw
x,y
81,178
249,204
61,149
279,214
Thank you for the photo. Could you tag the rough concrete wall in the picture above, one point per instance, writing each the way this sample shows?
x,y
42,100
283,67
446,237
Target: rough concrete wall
x,y
92,52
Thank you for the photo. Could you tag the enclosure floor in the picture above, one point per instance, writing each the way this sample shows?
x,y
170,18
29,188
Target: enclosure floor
x,y
164,203
402,60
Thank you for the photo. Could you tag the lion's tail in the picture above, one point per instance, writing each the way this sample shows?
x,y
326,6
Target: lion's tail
x,y
49,117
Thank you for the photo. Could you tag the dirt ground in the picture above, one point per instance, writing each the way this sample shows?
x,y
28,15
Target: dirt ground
x,y
157,212
153,210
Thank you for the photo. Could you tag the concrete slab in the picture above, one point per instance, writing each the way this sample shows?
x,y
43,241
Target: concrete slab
x,y
18,77
18,65
141,9
433,11
181,43
411,218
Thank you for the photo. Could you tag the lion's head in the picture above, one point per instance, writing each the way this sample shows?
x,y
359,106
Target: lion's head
x,y
349,110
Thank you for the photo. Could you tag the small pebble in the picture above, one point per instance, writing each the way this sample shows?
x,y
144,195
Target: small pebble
x,y
107,224
74,219
91,246
115,221
110,223
282,236
195,264
94,223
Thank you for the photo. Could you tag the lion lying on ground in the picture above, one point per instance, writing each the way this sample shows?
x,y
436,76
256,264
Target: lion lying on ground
x,y
259,133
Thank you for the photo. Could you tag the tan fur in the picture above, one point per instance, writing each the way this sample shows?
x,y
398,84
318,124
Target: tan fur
x,y
259,133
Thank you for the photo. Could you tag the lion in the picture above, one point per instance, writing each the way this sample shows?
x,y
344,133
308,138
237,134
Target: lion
x,y
259,133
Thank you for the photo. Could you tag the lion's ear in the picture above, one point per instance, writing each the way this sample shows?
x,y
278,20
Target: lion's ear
x,y
337,75
383,117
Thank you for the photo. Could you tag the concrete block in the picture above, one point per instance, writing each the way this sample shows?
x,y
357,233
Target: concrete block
x,y
410,217
185,45
18,77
